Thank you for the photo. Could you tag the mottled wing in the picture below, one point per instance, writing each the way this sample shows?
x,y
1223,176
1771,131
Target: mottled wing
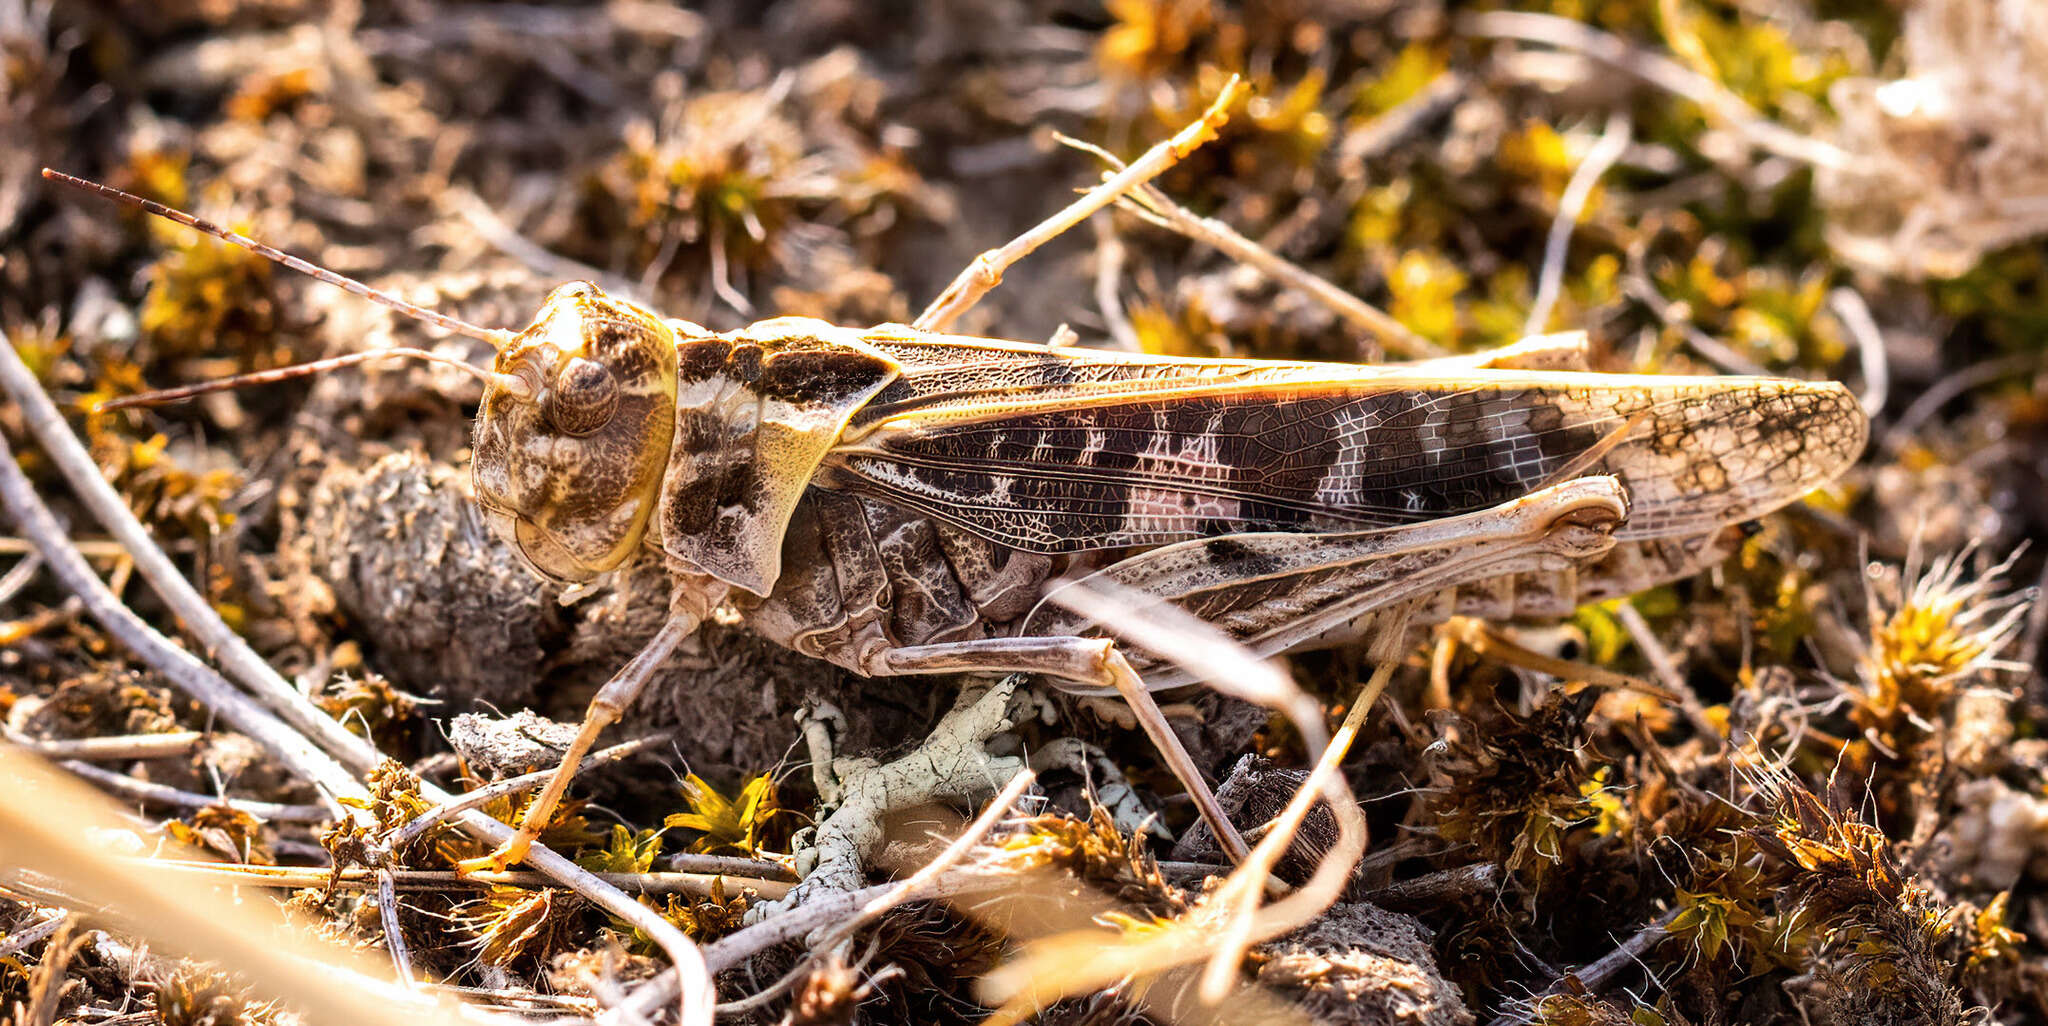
x,y
1067,450
1276,592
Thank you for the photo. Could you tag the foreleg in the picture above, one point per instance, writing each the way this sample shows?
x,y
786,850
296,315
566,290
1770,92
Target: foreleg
x,y
606,707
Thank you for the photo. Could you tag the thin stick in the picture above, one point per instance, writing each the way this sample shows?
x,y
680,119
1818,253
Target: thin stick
x,y
49,825
497,337
147,791
1390,127
394,934
694,884
903,892
945,860
1157,208
1659,71
542,261
731,865
1667,671
1487,642
243,664
1396,337
1848,305
827,909
19,577
951,763
1324,782
240,662
1109,265
1439,886
1595,976
1577,193
1945,391
13,631
114,748
90,548
986,272
182,669
1638,286
1223,663
820,912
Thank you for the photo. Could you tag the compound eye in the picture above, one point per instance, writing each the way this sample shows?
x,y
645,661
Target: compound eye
x,y
584,397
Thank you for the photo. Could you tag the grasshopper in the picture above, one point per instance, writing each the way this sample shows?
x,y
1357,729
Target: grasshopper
x,y
898,500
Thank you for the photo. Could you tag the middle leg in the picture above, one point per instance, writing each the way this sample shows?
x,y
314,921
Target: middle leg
x,y
1092,662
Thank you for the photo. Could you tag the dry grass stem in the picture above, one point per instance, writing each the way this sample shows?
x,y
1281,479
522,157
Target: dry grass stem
x,y
1594,977
1157,208
174,745
1065,965
197,616
698,885
46,829
987,270
1607,149
1659,71
1667,671
135,789
394,931
195,678
697,994
946,859
1849,305
487,793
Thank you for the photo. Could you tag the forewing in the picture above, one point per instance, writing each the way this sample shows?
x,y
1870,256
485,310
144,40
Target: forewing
x,y
1274,592
1071,450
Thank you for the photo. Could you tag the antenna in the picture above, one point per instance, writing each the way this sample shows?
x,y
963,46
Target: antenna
x,y
497,337
509,382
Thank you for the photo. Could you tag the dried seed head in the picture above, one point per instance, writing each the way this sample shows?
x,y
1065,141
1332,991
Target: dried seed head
x,y
1871,933
1932,634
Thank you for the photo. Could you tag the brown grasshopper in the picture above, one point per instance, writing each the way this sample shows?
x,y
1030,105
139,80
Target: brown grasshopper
x,y
898,501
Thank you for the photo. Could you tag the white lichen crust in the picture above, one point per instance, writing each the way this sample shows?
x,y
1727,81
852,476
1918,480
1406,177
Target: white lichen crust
x,y
953,764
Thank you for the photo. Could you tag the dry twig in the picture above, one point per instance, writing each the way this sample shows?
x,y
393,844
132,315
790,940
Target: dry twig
x,y
44,830
1577,192
178,666
149,791
694,884
986,272
113,748
1659,71
404,836
1157,208
1063,965
334,741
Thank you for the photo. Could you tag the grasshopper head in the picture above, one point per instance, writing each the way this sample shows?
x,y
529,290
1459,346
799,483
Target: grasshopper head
x,y
577,417
568,467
